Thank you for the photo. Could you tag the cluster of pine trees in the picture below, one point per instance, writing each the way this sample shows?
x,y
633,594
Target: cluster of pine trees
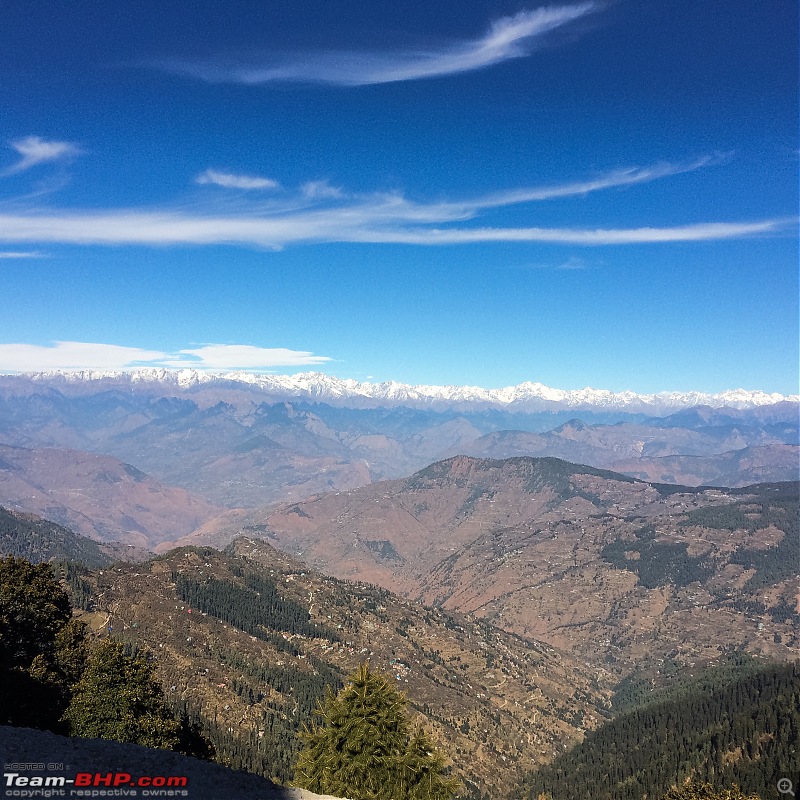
x,y
364,746
38,540
251,608
267,744
52,680
726,728
658,563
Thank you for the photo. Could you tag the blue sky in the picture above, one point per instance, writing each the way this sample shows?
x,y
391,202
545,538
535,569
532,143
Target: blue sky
x,y
585,194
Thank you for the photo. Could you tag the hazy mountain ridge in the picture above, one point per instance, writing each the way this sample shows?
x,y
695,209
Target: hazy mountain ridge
x,y
736,468
97,496
714,452
236,445
441,508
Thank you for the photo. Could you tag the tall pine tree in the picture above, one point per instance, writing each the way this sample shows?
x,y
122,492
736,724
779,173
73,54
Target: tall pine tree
x,y
118,698
364,747
42,650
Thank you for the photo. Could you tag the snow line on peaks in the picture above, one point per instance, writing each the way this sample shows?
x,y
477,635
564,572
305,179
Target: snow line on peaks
x,y
526,396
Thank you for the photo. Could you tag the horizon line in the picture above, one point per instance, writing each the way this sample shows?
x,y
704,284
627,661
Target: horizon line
x,y
236,375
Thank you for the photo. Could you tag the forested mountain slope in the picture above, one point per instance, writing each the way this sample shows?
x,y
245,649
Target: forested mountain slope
x,y
36,540
728,726
246,642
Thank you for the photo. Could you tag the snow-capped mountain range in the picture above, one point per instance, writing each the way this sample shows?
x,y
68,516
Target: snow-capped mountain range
x,y
316,386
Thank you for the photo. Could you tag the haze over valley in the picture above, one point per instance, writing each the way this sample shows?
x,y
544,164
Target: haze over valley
x,y
569,577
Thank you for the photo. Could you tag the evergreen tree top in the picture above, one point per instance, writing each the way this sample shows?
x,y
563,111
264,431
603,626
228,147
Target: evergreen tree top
x,y
363,747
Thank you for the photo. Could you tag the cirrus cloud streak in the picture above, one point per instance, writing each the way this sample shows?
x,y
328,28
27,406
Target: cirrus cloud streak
x,y
318,212
618,178
20,254
228,180
356,224
508,37
700,232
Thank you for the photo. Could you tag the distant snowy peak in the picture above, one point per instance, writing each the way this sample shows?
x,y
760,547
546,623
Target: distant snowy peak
x,y
526,396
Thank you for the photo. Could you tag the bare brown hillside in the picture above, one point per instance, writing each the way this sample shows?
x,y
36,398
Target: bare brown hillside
x,y
98,496
623,573
496,703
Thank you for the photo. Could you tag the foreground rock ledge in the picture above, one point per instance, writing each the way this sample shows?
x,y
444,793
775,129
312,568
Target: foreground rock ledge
x,y
205,781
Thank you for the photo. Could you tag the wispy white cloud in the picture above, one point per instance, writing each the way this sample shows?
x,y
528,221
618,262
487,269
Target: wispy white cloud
x,y
229,180
95,356
73,355
318,212
241,356
628,176
573,263
16,254
570,264
34,150
362,224
700,232
508,37
319,190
